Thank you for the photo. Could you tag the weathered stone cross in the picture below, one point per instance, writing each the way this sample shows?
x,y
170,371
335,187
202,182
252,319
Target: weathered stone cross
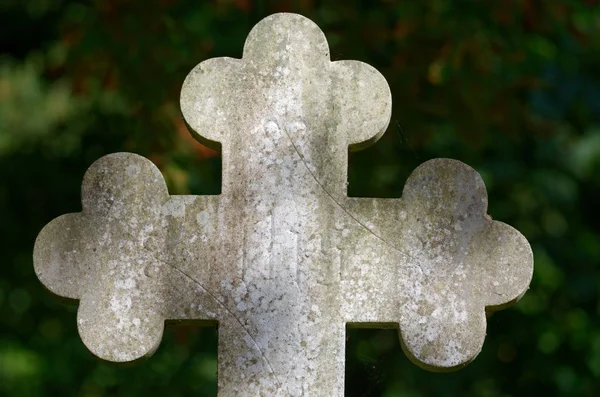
x,y
283,260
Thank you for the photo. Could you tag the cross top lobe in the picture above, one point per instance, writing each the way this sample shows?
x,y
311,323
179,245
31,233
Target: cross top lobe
x,y
282,260
285,84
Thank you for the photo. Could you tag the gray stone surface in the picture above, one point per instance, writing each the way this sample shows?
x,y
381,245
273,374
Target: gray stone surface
x,y
283,260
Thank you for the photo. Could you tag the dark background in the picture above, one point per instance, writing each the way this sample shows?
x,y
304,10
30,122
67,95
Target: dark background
x,y
510,87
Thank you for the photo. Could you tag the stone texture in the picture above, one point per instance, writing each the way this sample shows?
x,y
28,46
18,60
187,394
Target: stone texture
x,y
283,260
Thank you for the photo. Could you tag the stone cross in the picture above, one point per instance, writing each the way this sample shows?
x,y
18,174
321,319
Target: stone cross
x,y
283,260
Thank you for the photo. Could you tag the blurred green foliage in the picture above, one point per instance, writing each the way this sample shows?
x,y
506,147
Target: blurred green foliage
x,y
510,87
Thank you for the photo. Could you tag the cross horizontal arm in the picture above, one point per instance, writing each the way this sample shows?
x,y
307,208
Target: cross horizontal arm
x,y
129,259
434,262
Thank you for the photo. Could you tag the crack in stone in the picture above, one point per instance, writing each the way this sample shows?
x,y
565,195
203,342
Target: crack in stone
x,y
387,243
236,319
